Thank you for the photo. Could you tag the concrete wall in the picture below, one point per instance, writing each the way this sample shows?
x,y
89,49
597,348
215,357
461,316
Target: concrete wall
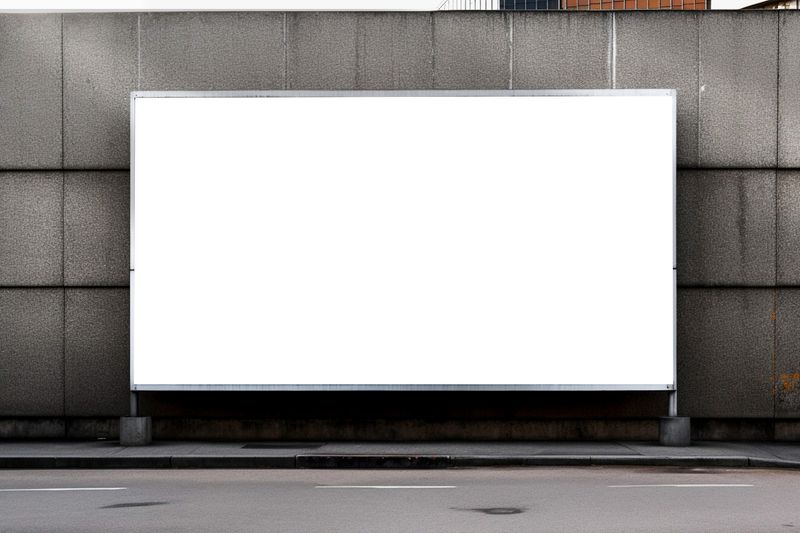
x,y
64,202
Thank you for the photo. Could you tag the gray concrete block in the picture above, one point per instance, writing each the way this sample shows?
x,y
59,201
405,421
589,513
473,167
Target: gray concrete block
x,y
30,91
787,354
472,50
31,352
97,352
393,51
789,90
96,228
675,431
100,71
211,51
788,227
725,343
30,228
660,51
135,430
738,89
359,51
321,50
726,227
561,50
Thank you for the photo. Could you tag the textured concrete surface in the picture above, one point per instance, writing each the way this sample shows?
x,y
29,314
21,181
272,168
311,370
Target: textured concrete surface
x,y
96,228
135,430
726,227
100,71
738,89
394,51
725,347
32,427
789,91
322,50
359,51
97,352
471,50
788,253
30,228
675,431
31,352
787,354
30,91
726,220
561,50
211,51
660,50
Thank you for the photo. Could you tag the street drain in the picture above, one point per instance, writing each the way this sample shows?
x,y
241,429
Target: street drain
x,y
282,445
132,504
495,510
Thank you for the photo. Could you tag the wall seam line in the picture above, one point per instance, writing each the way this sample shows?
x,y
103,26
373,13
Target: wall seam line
x,y
777,135
511,50
613,50
699,93
285,55
433,51
61,20
776,192
63,249
138,51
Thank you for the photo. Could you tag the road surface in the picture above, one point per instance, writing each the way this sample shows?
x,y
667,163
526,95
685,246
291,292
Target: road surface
x,y
481,500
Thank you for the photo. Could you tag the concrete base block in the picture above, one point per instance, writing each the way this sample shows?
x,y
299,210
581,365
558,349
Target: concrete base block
x,y
675,431
135,430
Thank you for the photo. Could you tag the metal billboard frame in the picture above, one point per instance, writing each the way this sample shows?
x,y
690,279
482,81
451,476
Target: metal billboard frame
x,y
672,387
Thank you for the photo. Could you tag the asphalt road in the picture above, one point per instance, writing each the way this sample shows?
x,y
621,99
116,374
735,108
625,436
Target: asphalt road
x,y
482,500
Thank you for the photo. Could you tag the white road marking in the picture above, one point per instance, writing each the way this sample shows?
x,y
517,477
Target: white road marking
x,y
385,487
64,489
682,485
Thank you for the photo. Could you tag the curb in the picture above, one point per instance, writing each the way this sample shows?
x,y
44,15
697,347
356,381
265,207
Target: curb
x,y
373,461
420,462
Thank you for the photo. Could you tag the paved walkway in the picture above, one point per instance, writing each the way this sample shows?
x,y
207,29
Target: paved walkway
x,y
109,454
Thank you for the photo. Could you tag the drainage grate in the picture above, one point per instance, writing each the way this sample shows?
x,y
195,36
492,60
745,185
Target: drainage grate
x,y
283,445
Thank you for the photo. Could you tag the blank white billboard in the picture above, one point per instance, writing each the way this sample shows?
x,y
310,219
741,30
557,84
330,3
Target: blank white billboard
x,y
403,240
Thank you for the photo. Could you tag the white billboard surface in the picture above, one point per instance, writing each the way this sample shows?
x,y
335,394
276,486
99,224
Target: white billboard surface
x,y
403,240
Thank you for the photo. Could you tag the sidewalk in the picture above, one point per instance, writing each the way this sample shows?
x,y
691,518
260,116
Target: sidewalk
x,y
109,454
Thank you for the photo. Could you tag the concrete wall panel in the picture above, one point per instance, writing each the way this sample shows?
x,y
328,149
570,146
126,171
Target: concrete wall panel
x,y
789,91
96,228
738,89
359,51
725,344
30,91
562,50
660,51
394,51
788,227
31,352
211,51
30,228
321,50
787,360
96,352
100,71
726,227
471,50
